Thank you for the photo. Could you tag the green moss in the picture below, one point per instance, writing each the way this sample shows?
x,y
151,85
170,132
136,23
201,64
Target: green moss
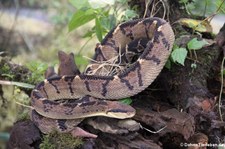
x,y
24,116
32,73
13,72
57,140
6,72
37,70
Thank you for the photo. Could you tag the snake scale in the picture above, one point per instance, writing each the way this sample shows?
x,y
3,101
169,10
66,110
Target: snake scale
x,y
96,95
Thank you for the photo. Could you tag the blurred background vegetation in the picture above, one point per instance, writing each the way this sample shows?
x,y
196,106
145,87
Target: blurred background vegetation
x,y
31,34
32,31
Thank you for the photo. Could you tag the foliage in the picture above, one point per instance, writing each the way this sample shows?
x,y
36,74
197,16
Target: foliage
x,y
81,62
37,70
105,13
24,116
179,54
58,140
127,100
203,7
81,17
195,44
196,25
6,70
10,71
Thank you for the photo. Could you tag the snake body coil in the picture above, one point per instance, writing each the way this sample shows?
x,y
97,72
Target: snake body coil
x,y
88,88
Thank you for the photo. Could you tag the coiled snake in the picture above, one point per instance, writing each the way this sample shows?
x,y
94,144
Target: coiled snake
x,y
94,94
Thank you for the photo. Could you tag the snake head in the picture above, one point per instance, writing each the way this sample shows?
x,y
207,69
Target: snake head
x,y
120,111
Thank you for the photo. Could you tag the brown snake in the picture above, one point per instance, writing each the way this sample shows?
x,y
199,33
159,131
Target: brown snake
x,y
94,93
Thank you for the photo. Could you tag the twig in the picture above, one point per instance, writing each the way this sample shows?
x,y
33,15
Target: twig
x,y
155,4
221,89
164,8
195,60
209,18
220,6
81,49
147,3
152,131
26,106
109,67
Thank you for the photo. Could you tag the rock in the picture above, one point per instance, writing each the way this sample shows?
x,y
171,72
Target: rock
x,y
24,135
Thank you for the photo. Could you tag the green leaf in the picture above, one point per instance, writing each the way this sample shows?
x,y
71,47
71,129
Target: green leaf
x,y
168,64
108,22
37,69
98,29
35,66
79,3
80,60
128,14
81,17
126,101
196,44
11,76
179,55
20,84
24,85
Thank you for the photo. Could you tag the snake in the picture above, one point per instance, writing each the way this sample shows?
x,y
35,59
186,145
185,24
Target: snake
x,y
89,95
